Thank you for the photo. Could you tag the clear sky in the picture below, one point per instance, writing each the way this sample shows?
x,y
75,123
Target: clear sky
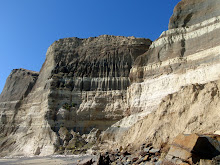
x,y
29,27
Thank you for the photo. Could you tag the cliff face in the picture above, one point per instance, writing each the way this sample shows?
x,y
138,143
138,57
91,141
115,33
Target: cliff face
x,y
19,83
183,55
96,82
90,79
188,53
188,13
82,85
193,109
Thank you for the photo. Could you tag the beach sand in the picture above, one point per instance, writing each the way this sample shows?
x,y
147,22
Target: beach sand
x,y
48,160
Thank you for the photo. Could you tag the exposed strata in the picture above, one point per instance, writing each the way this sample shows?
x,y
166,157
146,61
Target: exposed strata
x,y
184,55
82,85
93,76
18,85
193,109
87,83
178,58
187,12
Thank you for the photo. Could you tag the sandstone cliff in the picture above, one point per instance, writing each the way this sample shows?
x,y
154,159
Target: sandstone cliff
x,y
193,109
145,91
185,54
188,53
82,85
89,80
18,85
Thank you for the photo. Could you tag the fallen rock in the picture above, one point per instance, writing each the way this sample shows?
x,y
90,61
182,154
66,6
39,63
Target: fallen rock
x,y
153,151
147,149
86,162
64,134
134,159
214,161
93,135
193,148
143,153
125,153
146,158
183,163
103,159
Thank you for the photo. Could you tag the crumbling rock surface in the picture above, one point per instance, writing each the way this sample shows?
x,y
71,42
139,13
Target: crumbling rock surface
x,y
188,12
163,88
90,78
194,109
82,85
18,85
181,56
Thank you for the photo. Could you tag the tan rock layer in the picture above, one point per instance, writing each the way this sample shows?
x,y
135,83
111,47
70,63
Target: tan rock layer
x,y
82,84
179,57
194,109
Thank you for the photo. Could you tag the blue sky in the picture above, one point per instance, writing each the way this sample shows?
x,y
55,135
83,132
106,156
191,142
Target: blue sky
x,y
29,27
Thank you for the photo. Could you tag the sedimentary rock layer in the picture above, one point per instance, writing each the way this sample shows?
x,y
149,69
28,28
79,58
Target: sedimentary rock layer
x,y
82,85
193,109
179,57
18,85
187,53
94,82
89,80
188,12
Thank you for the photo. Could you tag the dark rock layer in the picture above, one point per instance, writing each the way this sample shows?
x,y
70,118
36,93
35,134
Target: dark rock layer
x,y
95,63
19,83
89,80
188,12
193,28
82,85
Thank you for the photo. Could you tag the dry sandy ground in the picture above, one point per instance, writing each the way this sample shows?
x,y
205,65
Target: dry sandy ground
x,y
48,160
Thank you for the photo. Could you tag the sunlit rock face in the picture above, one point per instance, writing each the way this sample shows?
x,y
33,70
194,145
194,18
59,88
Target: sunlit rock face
x,y
18,85
187,53
90,79
188,12
193,109
82,85
95,82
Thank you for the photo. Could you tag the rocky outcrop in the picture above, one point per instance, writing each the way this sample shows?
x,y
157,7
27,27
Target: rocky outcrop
x,y
188,13
188,53
186,149
89,80
194,149
82,85
18,85
181,56
194,109
160,89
